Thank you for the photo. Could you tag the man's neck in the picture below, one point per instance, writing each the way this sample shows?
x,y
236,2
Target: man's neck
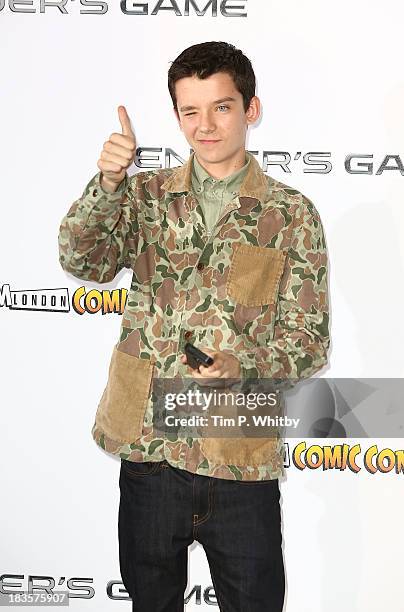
x,y
222,169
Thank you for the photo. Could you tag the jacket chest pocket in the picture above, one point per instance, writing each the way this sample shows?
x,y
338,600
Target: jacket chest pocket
x,y
254,275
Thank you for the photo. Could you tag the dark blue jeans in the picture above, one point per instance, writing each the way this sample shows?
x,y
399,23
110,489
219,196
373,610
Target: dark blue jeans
x,y
163,510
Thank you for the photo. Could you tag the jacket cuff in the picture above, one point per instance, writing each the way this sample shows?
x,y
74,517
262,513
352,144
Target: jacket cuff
x,y
97,194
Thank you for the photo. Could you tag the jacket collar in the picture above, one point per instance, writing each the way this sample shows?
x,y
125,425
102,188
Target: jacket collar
x,y
254,185
231,183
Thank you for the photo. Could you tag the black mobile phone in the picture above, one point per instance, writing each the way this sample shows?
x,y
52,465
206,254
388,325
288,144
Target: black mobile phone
x,y
195,357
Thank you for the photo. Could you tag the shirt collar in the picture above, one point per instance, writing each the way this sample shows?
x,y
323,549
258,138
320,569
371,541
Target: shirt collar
x,y
200,177
254,185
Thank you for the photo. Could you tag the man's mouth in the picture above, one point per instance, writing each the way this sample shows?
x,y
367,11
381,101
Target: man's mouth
x,y
208,141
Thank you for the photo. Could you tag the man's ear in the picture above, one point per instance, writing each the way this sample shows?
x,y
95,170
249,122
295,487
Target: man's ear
x,y
177,117
254,110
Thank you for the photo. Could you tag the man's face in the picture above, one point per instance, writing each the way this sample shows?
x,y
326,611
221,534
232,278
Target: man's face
x,y
211,115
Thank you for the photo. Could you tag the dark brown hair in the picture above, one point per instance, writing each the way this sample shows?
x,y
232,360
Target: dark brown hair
x,y
206,59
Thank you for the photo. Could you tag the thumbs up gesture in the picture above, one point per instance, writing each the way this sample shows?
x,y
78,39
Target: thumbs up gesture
x,y
117,154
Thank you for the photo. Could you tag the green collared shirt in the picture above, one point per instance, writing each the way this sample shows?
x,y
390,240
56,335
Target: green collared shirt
x,y
213,194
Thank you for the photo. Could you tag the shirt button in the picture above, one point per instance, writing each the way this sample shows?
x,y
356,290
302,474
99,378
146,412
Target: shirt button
x,y
200,266
95,193
188,335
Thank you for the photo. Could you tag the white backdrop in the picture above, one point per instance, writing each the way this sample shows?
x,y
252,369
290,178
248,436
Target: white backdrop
x,y
330,80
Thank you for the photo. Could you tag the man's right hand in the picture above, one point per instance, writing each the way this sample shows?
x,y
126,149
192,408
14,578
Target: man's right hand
x,y
117,154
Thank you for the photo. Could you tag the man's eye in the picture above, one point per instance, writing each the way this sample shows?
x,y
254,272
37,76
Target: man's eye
x,y
221,106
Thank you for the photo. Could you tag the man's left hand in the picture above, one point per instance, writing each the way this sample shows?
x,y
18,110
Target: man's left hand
x,y
225,365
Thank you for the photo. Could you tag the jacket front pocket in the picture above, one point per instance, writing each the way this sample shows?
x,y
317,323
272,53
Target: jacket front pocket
x,y
123,404
254,274
240,451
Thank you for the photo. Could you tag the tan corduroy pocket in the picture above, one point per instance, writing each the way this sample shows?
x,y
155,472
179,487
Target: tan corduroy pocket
x,y
123,404
239,451
254,274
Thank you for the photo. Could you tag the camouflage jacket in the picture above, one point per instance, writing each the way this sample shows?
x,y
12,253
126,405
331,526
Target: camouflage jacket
x,y
256,287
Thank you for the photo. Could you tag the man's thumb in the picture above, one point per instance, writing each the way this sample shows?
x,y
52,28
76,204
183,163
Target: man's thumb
x,y
125,121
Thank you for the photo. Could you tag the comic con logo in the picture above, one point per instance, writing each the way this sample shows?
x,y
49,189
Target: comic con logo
x,y
345,456
58,300
178,8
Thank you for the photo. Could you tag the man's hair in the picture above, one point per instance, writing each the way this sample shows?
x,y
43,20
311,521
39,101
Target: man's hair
x,y
206,59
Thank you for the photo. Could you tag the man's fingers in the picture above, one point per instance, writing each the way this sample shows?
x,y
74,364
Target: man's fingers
x,y
117,149
125,121
116,159
105,166
207,372
127,142
118,153
217,364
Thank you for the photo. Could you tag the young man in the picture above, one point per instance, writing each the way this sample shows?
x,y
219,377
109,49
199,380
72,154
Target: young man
x,y
229,259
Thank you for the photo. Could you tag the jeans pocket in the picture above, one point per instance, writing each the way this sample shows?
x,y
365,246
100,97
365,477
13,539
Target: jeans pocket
x,y
140,468
271,482
123,403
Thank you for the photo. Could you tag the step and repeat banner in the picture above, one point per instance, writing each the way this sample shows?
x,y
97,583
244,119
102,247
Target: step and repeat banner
x,y
331,85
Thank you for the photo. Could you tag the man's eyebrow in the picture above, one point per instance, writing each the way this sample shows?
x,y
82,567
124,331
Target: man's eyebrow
x,y
227,99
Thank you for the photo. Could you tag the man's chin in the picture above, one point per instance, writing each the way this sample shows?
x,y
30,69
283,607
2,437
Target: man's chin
x,y
209,155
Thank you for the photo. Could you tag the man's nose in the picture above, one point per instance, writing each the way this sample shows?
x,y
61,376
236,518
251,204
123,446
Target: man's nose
x,y
207,123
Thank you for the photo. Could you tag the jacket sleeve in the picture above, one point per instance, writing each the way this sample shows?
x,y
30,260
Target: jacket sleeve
x,y
301,339
99,234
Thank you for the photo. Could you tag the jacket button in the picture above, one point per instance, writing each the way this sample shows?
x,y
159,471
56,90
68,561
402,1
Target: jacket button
x,y
188,335
95,193
200,266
